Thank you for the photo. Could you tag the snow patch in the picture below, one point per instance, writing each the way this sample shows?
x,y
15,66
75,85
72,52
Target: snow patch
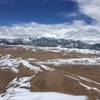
x,y
74,61
32,67
13,63
21,82
47,68
20,94
66,50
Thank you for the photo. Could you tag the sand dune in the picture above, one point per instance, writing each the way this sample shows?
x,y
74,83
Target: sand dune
x,y
20,68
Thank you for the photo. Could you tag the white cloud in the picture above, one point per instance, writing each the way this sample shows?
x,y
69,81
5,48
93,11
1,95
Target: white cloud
x,y
66,15
34,30
90,7
78,30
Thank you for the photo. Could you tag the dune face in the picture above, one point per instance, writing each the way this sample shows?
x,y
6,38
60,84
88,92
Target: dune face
x,y
48,81
6,76
35,69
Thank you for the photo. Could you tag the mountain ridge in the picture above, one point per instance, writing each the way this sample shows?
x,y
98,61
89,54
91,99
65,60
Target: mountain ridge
x,y
50,42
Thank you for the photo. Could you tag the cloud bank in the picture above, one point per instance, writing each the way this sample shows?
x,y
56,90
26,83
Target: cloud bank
x,y
78,30
90,8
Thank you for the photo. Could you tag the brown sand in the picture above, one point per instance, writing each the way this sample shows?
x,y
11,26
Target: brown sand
x,y
6,76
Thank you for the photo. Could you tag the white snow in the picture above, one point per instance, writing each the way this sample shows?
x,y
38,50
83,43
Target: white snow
x,y
88,87
66,50
47,68
74,61
56,49
31,59
21,82
24,94
13,63
8,61
83,51
32,67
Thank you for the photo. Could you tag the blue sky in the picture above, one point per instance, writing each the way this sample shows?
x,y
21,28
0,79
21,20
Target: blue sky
x,y
41,11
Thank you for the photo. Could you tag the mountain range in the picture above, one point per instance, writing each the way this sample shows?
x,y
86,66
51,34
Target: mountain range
x,y
50,42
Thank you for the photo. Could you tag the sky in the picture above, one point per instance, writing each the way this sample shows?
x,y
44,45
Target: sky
x,y
41,11
69,19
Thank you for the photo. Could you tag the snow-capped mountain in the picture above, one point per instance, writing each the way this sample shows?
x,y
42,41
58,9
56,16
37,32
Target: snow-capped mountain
x,y
50,42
